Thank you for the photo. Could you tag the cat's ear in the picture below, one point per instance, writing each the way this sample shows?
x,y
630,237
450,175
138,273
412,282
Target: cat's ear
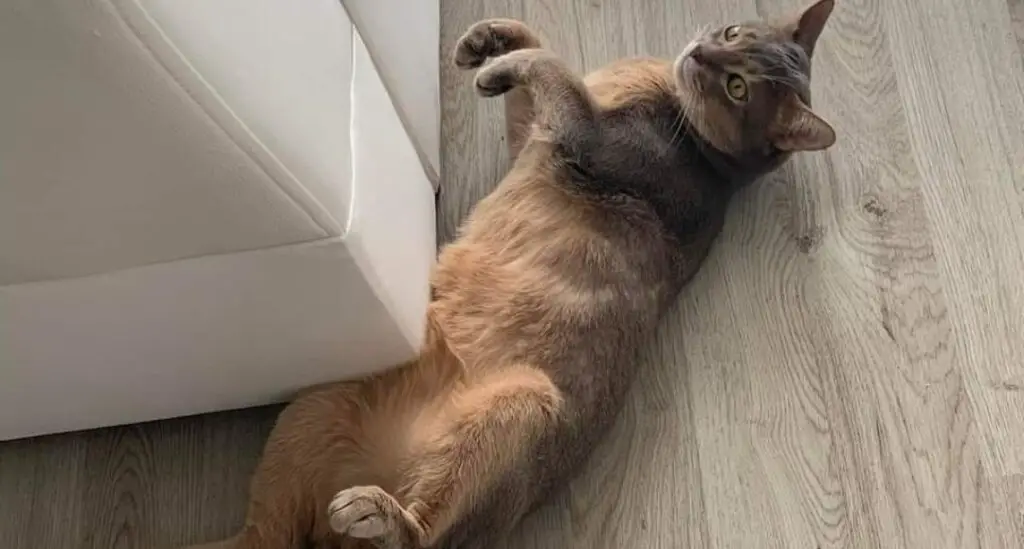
x,y
807,26
797,128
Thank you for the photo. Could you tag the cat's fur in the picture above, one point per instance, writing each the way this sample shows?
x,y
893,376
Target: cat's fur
x,y
556,281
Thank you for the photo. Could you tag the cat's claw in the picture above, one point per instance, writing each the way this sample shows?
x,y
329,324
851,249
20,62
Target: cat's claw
x,y
361,512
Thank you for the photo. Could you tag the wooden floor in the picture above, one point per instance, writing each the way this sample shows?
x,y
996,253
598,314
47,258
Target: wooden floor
x,y
846,372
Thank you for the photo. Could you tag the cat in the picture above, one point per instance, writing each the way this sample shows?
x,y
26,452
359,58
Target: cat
x,y
556,281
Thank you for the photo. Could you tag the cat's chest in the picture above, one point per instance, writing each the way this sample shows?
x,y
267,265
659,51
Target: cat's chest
x,y
662,167
638,154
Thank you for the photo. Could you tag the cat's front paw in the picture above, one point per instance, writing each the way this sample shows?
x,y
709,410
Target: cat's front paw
x,y
513,69
364,512
490,82
491,38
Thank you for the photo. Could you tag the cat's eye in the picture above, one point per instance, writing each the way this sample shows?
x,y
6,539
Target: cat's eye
x,y
736,86
731,33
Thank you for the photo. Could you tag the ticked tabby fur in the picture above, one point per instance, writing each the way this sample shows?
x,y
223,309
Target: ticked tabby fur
x,y
557,279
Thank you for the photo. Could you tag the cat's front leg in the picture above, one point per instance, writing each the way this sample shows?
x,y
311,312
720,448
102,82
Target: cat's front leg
x,y
492,38
563,108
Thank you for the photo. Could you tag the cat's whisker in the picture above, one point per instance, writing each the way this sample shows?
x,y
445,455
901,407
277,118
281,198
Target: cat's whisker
x,y
677,125
688,113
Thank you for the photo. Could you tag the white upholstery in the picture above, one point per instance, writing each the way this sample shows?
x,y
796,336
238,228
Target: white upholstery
x,y
207,204
403,38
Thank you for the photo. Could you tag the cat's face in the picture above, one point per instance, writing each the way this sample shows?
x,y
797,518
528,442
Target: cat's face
x,y
745,87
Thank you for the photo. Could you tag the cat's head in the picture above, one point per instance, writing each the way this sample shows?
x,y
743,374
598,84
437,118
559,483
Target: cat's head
x,y
745,87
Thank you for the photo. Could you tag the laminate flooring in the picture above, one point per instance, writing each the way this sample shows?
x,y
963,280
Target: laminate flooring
x,y
847,371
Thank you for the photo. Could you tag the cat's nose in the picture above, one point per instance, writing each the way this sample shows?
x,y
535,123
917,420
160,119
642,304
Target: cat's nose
x,y
699,54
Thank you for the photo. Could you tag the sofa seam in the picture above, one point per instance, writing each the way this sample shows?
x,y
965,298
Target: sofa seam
x,y
432,172
318,220
197,257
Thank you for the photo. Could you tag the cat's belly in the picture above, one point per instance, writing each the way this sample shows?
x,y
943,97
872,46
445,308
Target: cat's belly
x,y
546,338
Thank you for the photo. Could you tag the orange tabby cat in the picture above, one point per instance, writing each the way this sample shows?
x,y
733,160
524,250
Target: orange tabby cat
x,y
556,281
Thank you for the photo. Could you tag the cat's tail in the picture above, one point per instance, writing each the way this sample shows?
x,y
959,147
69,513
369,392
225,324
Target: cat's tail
x,y
223,544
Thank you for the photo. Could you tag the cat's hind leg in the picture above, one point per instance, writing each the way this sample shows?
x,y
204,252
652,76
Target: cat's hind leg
x,y
461,453
322,441
492,38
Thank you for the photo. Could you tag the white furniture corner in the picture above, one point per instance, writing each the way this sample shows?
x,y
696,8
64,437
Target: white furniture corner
x,y
209,204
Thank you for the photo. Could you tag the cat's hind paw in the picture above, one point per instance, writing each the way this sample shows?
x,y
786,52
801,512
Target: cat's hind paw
x,y
364,512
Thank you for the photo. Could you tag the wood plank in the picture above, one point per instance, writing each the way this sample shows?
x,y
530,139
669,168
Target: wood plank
x,y
844,373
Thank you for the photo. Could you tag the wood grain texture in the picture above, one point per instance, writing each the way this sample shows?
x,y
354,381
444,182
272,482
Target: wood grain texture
x,y
154,486
847,371
1017,23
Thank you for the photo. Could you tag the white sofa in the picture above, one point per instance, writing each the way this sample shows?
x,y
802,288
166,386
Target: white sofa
x,y
209,204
